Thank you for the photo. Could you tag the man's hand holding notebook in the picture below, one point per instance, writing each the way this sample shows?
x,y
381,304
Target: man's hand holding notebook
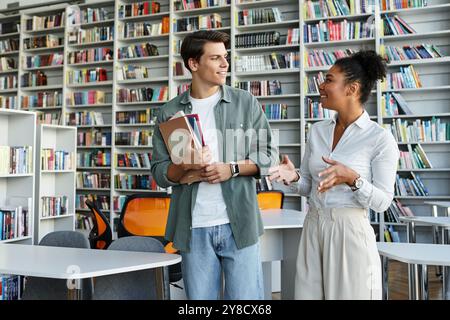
x,y
183,137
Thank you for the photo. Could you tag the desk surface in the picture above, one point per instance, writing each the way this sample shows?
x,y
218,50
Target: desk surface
x,y
72,263
428,221
416,253
282,219
444,204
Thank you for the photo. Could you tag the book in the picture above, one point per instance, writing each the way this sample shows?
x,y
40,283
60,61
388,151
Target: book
x,y
402,103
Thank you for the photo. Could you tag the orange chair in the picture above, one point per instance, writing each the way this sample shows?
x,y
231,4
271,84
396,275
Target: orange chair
x,y
270,199
100,236
146,215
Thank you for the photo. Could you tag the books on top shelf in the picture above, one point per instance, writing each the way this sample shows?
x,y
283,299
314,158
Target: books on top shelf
x,y
324,31
9,27
394,25
406,78
414,158
393,5
406,52
198,4
47,22
16,160
52,159
257,16
335,8
89,15
290,60
410,186
139,9
54,206
97,158
419,130
320,58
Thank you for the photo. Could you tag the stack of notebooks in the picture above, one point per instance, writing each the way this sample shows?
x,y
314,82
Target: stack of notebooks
x,y
178,126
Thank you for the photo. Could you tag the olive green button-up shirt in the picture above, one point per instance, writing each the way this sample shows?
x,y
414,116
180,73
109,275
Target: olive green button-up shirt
x,y
246,134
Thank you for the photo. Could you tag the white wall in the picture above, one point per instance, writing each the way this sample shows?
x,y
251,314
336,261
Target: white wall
x,y
4,3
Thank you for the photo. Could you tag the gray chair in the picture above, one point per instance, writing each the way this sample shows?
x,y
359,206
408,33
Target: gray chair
x,y
135,285
56,289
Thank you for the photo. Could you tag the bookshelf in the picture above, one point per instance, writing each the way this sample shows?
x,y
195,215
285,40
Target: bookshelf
x,y
144,69
17,179
55,179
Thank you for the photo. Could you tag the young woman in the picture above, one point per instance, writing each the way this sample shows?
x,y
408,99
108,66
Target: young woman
x,y
349,166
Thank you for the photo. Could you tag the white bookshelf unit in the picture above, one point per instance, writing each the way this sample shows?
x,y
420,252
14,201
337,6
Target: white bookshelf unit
x,y
125,108
55,180
17,178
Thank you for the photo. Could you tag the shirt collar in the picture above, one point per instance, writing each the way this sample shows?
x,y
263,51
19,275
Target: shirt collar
x,y
225,95
363,121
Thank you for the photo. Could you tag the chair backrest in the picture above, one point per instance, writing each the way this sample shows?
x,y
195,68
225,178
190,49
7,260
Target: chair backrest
x,y
135,285
144,215
56,289
100,236
270,199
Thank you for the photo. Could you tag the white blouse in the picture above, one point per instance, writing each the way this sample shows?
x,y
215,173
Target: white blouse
x,y
365,147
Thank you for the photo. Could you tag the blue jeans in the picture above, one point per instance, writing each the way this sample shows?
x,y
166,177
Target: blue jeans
x,y
213,249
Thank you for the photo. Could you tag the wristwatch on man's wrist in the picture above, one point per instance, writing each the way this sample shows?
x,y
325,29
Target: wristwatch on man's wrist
x,y
357,184
234,167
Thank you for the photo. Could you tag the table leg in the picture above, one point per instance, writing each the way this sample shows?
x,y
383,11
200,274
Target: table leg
x,y
267,274
74,289
385,276
445,270
161,293
424,282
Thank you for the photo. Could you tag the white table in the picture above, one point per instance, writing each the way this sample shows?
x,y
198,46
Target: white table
x,y
442,223
72,263
417,254
280,241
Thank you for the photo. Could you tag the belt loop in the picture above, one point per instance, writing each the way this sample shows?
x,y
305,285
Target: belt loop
x,y
332,214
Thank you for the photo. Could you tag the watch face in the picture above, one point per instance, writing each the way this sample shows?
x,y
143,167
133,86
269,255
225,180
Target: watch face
x,y
358,183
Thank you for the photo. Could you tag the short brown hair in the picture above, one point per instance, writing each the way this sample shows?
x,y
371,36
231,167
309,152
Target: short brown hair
x,y
192,46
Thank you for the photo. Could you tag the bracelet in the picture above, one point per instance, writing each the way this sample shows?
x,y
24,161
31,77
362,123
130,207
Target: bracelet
x,y
298,176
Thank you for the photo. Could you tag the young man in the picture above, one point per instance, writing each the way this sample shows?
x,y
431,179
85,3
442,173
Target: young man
x,y
216,223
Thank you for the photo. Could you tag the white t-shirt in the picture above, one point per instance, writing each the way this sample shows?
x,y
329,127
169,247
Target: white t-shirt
x,y
210,208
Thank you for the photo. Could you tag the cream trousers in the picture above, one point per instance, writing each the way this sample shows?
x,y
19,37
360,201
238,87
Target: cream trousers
x,y
338,257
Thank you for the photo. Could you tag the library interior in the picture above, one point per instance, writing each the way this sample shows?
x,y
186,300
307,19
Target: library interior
x,y
83,84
